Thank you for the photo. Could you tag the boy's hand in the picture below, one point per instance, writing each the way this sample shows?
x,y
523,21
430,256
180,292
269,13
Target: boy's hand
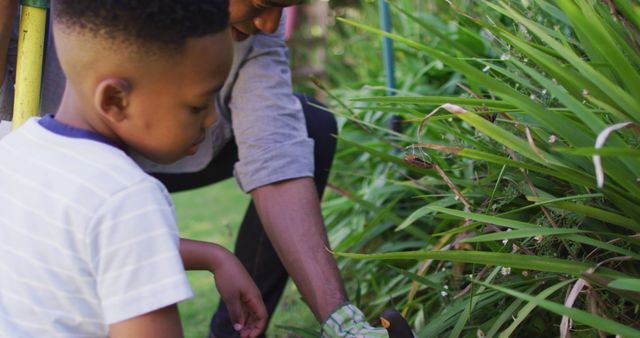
x,y
242,297
234,284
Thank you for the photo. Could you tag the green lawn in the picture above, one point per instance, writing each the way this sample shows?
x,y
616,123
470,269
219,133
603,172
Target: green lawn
x,y
214,214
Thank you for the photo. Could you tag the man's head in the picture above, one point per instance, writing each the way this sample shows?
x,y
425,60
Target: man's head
x,y
252,16
143,73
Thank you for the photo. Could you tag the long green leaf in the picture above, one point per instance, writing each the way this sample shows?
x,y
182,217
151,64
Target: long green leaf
x,y
380,154
556,122
631,12
514,224
592,121
525,233
625,99
438,100
622,199
471,303
630,284
443,320
604,152
600,244
416,278
517,261
583,317
435,31
508,139
599,214
586,21
526,310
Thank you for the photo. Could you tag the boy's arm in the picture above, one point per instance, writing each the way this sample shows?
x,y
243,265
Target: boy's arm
x,y
198,255
7,14
161,323
237,289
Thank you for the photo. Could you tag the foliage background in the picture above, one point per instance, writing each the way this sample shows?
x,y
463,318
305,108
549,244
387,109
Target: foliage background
x,y
509,208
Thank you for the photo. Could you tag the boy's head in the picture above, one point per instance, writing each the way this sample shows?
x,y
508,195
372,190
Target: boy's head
x,y
143,73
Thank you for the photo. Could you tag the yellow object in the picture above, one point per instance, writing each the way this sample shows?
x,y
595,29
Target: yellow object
x,y
33,22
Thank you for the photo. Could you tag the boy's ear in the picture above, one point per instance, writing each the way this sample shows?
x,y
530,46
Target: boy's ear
x,y
111,98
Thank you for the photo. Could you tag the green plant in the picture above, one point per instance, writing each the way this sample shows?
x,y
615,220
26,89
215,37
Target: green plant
x,y
488,204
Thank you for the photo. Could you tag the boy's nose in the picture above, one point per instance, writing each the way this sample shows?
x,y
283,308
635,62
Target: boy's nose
x,y
211,118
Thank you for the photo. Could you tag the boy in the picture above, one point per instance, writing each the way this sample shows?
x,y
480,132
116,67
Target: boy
x,y
89,244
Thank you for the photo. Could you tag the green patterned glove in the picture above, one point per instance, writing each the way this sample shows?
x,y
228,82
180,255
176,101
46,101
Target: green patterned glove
x,y
348,321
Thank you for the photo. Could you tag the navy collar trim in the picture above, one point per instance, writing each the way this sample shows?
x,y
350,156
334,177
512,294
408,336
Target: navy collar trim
x,y
51,124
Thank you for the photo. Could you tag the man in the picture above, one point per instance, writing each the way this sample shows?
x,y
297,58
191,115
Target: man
x,y
261,138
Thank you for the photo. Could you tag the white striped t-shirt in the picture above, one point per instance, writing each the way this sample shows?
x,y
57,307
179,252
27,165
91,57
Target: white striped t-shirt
x,y
87,238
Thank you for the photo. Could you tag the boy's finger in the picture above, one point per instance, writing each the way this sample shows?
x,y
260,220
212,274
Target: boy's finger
x,y
257,316
256,307
236,313
253,329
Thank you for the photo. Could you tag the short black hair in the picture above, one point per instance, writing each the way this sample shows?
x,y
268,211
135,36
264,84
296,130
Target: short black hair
x,y
160,23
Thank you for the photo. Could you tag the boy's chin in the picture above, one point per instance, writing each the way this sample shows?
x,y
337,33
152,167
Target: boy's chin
x,y
163,159
193,149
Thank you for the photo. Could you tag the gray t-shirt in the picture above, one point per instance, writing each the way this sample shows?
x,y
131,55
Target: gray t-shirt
x,y
257,108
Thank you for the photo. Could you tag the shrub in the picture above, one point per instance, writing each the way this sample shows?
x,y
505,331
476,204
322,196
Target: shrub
x,y
487,214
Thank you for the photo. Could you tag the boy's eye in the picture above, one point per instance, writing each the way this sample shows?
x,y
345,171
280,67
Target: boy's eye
x,y
198,110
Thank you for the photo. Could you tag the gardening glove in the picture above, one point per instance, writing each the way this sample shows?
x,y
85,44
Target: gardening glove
x,y
348,321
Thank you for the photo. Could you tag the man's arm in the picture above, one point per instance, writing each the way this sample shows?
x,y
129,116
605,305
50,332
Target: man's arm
x,y
7,14
276,165
290,214
161,323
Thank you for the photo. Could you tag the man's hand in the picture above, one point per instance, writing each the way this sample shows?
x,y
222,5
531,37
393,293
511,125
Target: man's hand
x,y
248,17
348,321
242,297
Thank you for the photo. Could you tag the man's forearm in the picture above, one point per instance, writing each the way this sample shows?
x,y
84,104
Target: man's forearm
x,y
290,214
7,14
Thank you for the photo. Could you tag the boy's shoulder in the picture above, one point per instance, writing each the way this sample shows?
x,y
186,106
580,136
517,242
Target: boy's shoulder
x,y
36,150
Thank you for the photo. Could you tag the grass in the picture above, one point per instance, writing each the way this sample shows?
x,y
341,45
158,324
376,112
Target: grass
x,y
214,214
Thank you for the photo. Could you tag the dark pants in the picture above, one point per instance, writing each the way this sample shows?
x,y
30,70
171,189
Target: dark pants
x,y
253,248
